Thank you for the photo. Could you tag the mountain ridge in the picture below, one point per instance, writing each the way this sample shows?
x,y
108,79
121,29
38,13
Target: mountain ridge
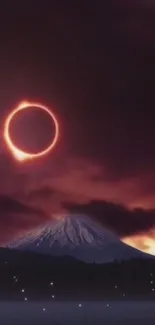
x,y
79,237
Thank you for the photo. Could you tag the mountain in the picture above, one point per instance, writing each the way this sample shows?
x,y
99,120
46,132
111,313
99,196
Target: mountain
x,y
78,237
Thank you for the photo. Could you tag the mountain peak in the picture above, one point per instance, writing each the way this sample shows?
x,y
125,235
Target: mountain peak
x,y
76,236
71,230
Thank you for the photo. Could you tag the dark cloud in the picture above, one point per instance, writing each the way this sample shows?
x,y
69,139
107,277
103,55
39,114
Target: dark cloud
x,y
9,205
42,193
16,217
118,218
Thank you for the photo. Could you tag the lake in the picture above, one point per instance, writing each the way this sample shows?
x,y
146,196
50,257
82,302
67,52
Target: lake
x,y
77,313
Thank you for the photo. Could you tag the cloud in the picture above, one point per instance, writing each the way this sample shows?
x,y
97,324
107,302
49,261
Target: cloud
x,y
116,217
42,193
80,181
86,180
16,217
143,241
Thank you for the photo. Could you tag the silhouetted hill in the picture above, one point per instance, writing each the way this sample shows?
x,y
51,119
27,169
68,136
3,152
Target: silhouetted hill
x,y
72,279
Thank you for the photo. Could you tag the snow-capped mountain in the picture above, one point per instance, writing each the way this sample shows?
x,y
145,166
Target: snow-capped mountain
x,y
79,237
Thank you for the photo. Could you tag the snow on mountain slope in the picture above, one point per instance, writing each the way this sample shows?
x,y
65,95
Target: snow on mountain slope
x,y
77,236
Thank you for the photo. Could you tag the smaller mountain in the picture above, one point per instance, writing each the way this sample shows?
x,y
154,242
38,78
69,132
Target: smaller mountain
x,y
78,237
42,276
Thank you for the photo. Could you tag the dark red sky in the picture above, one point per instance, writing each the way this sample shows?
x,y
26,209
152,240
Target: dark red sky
x,y
94,64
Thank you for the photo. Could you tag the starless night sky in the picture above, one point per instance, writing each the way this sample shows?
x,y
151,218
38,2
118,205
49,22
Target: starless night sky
x,y
93,63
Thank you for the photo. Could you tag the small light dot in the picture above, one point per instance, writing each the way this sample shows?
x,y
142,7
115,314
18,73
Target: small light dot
x,y
53,296
107,305
51,283
116,287
153,289
23,290
80,305
44,309
151,282
123,294
25,299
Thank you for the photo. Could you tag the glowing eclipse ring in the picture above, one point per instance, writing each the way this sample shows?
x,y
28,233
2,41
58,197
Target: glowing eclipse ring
x,y
18,153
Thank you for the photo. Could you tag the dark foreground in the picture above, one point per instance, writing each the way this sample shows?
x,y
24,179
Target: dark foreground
x,y
69,313
73,279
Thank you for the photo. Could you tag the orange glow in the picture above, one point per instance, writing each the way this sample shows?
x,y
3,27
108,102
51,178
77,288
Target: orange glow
x,y
143,242
59,216
18,153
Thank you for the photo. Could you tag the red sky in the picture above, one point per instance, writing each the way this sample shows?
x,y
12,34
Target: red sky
x,y
94,65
